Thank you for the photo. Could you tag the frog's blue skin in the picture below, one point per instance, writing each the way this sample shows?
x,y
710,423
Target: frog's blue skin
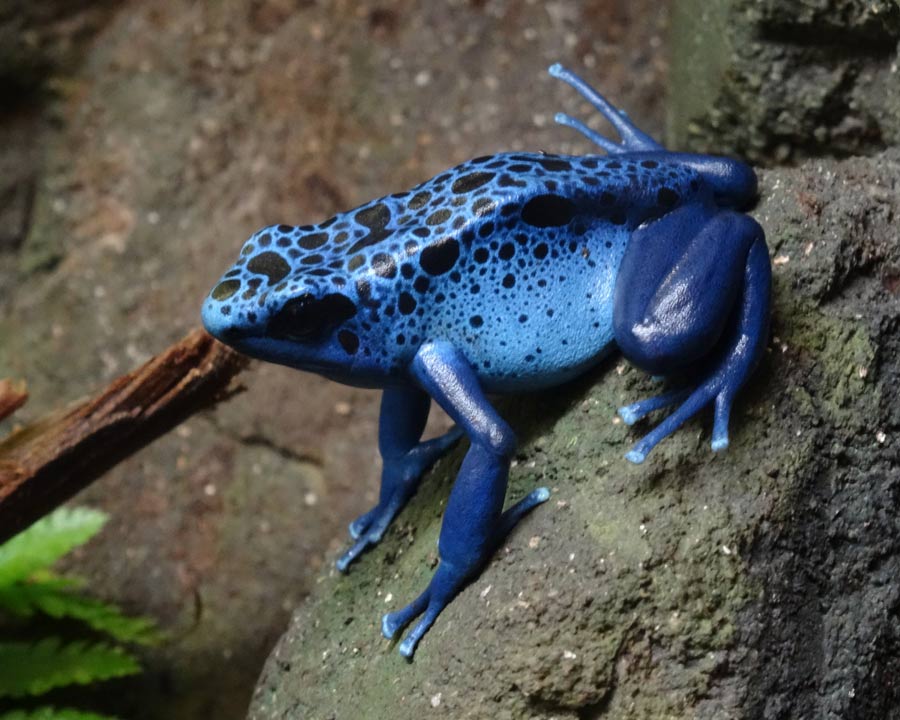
x,y
510,272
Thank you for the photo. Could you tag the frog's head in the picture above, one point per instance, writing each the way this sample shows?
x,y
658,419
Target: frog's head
x,y
269,307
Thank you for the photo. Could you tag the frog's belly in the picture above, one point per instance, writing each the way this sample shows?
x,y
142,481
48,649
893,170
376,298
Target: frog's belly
x,y
533,339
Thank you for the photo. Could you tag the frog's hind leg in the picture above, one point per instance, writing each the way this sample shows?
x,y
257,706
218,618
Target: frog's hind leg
x,y
633,140
693,288
404,411
474,523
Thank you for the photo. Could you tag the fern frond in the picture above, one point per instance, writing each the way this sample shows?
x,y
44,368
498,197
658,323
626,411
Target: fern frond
x,y
52,598
46,541
51,713
32,669
17,599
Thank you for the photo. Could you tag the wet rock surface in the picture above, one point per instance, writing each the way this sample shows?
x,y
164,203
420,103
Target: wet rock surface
x,y
132,172
779,80
760,582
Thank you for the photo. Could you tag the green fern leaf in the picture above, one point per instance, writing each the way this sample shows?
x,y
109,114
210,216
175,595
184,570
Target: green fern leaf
x,y
52,599
51,713
17,599
32,669
46,541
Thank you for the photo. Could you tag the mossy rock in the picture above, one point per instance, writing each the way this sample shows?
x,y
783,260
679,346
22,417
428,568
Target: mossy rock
x,y
763,581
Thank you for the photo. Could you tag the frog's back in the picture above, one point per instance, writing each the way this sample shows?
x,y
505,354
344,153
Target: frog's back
x,y
511,257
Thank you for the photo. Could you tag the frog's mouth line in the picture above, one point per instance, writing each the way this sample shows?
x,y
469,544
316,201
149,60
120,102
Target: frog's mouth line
x,y
286,352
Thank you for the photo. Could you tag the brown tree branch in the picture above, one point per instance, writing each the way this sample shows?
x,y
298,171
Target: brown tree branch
x,y
12,396
45,463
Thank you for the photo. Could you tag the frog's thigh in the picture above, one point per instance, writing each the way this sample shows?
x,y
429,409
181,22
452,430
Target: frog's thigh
x,y
678,286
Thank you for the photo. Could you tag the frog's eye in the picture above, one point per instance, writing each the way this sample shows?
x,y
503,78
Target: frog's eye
x,y
308,318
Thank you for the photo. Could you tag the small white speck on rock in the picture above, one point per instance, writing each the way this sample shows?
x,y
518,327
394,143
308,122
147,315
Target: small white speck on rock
x,y
436,700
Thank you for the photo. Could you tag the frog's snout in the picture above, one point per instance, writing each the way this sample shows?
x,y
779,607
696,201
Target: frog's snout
x,y
217,320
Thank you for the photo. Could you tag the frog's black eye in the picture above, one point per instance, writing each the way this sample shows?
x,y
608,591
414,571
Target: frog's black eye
x,y
308,318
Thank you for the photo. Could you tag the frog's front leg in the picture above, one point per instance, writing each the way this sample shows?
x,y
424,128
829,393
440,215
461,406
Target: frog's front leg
x,y
474,523
693,292
404,411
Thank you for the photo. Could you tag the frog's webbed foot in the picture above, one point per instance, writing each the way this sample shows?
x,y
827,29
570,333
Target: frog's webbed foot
x,y
403,415
449,580
474,522
633,140
693,289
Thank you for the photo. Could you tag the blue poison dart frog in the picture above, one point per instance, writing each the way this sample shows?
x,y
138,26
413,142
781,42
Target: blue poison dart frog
x,y
508,273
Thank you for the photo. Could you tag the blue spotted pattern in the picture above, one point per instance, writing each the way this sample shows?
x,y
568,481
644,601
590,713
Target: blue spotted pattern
x,y
519,251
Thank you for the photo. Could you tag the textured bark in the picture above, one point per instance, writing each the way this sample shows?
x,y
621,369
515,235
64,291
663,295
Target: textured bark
x,y
45,463
761,582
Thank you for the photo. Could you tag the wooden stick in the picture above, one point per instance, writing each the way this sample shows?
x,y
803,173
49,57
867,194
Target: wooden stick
x,y
44,464
13,395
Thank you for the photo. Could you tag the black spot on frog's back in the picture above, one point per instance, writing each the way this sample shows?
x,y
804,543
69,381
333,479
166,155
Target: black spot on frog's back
x,y
418,200
440,257
383,264
555,164
374,217
471,181
270,264
548,210
313,241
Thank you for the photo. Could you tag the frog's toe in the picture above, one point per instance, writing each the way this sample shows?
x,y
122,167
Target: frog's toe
x,y
370,530
630,414
635,456
394,622
444,586
720,424
358,526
